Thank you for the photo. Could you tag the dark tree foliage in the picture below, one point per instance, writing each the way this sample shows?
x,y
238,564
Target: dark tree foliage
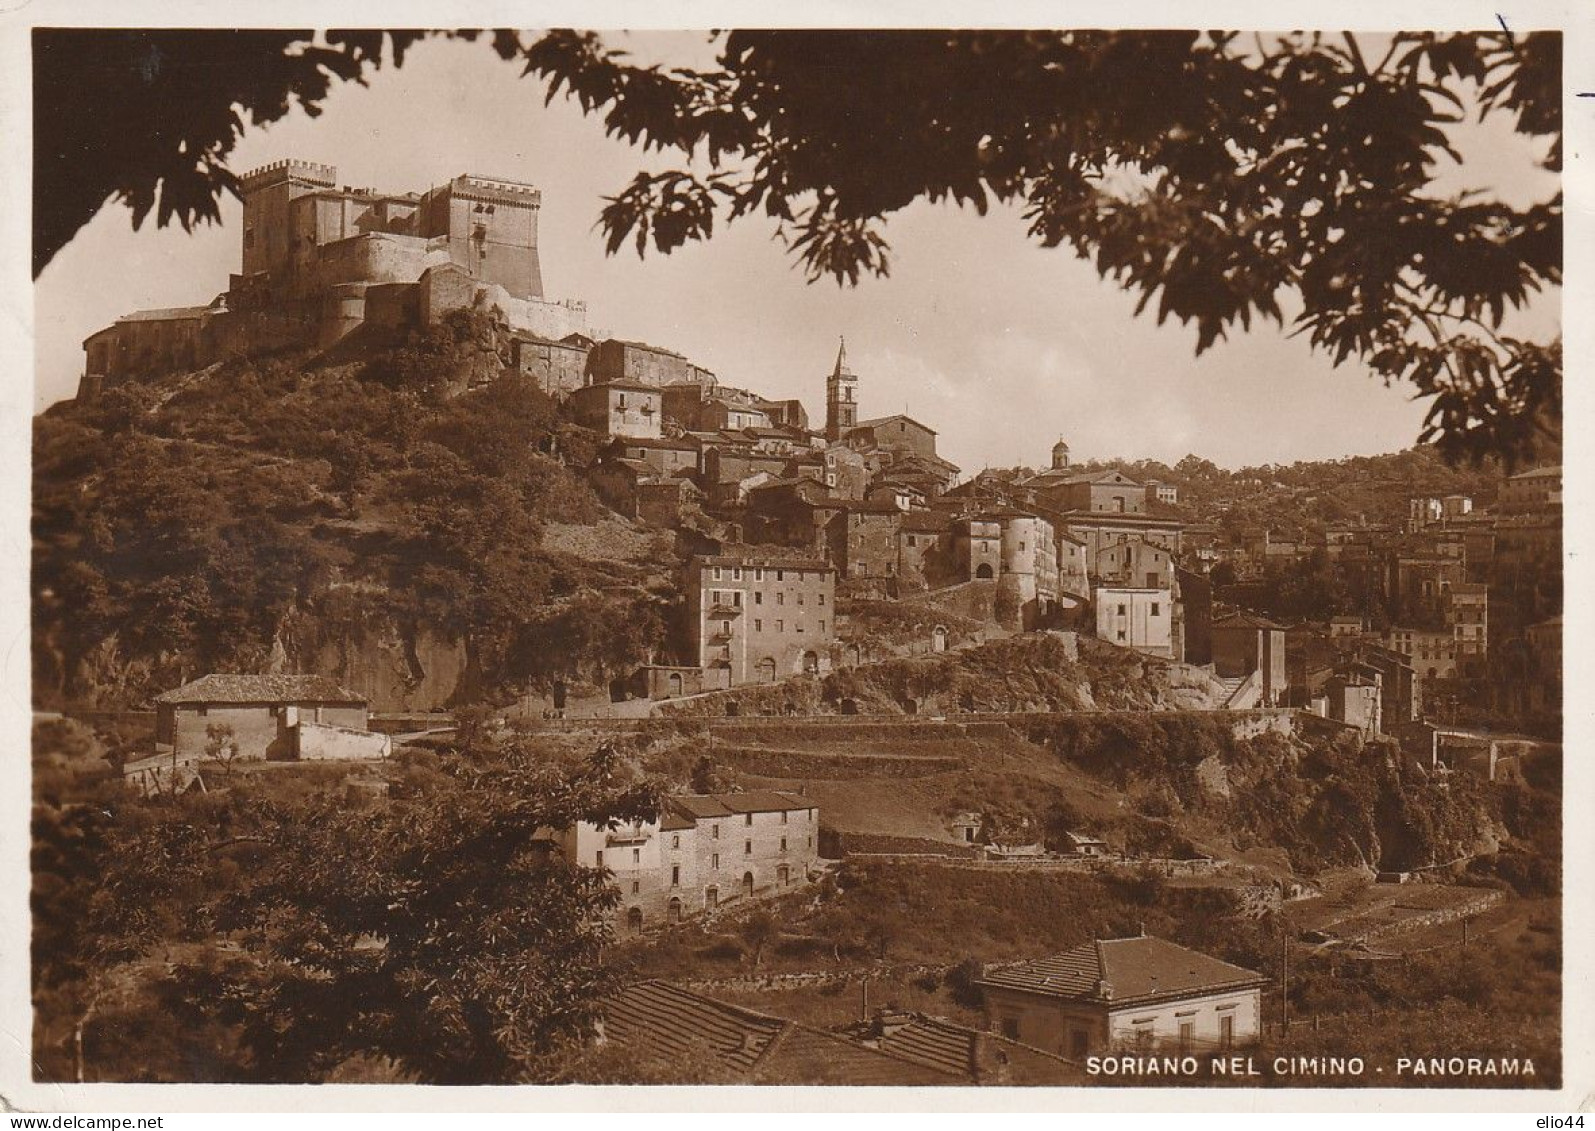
x,y
299,930
1215,173
1229,177
436,932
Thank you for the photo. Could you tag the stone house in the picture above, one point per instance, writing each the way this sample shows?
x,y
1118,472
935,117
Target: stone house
x,y
1467,613
626,409
898,434
761,615
1417,585
615,359
701,852
1345,626
1074,579
1085,845
924,549
1536,491
863,539
1097,492
1353,698
1137,618
1134,561
977,548
1400,686
1432,652
263,713
1101,530
665,456
796,512
727,466
558,368
1243,643
845,472
1129,994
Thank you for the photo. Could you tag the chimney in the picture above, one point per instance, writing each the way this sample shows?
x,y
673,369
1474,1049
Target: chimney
x,y
1104,990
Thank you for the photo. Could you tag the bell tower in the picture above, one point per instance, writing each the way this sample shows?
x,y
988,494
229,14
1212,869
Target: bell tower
x,y
841,397
1060,455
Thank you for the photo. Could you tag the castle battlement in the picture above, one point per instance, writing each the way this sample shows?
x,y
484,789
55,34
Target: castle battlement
x,y
326,175
318,261
468,186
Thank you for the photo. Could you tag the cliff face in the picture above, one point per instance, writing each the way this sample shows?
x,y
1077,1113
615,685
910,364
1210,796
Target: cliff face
x,y
358,516
398,667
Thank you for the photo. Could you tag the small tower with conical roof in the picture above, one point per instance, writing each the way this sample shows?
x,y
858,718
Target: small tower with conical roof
x,y
841,397
1060,455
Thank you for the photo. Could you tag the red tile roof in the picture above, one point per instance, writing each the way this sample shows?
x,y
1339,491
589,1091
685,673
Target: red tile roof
x,y
765,1049
809,1056
218,688
698,805
763,801
1135,969
1245,620
941,1045
672,1019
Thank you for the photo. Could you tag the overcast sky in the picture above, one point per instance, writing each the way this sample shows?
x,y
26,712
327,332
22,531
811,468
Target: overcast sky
x,y
999,344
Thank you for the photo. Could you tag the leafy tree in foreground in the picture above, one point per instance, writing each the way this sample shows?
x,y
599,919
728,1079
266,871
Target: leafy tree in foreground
x,y
433,932
1229,176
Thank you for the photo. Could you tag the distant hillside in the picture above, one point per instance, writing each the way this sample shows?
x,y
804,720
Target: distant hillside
x,y
352,519
1303,497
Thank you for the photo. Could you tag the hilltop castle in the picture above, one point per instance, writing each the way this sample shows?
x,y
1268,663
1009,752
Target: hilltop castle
x,y
319,261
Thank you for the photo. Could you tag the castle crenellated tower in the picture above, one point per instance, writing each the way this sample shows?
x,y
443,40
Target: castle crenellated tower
x,y
841,397
269,193
321,259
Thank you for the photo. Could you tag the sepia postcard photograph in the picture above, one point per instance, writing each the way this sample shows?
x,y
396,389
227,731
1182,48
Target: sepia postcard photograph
x,y
1022,560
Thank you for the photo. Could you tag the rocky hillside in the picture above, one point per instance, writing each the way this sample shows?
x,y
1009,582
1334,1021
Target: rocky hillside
x,y
347,515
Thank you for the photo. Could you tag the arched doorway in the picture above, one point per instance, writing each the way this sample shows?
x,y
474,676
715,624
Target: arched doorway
x,y
634,920
674,912
983,571
811,663
938,638
764,670
673,685
711,898
783,875
855,655
747,884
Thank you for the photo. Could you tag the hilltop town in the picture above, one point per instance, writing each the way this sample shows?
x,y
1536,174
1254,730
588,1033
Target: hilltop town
x,y
381,512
